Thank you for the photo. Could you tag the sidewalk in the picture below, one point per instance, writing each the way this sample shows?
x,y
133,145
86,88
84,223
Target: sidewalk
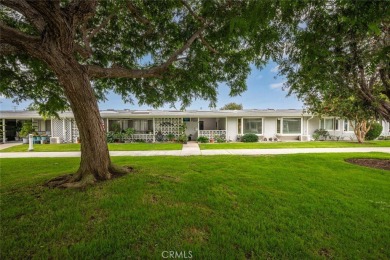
x,y
192,149
6,145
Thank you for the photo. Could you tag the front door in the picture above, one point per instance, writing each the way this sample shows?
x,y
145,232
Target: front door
x,y
201,125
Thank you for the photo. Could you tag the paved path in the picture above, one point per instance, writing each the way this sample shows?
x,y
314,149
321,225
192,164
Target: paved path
x,y
6,145
192,150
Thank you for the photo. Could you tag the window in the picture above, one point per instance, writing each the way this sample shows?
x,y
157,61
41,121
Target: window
x,y
239,126
291,125
253,126
348,125
329,124
48,125
278,126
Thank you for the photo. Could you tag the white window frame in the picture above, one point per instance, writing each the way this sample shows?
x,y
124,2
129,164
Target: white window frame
x,y
334,124
243,125
350,128
281,126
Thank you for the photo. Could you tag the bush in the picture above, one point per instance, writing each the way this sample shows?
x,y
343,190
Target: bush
x,y
170,137
220,138
203,139
320,134
374,132
182,139
27,129
249,138
110,137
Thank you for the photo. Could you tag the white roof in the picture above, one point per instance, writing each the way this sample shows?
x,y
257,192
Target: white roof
x,y
169,113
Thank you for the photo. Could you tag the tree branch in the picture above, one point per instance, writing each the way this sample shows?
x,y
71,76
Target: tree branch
x,y
208,46
137,14
20,40
99,72
203,22
29,13
197,17
88,37
81,10
6,49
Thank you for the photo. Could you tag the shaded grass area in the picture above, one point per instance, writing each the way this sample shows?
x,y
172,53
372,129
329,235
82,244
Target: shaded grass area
x,y
217,207
112,147
276,145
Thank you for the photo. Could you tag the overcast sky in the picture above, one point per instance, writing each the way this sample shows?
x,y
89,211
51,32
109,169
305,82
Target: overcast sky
x,y
264,91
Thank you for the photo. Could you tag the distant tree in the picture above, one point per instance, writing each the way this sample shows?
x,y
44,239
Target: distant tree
x,y
341,47
232,106
70,53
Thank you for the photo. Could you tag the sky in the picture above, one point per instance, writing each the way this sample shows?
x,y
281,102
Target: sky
x,y
264,90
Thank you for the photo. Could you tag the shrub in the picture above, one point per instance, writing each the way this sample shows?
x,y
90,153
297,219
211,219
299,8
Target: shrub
x,y
320,134
203,139
182,139
374,132
170,137
110,137
220,138
27,129
249,138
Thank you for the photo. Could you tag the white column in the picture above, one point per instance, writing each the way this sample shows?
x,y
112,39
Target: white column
x,y
226,130
154,131
52,127
107,125
30,143
63,130
4,135
242,126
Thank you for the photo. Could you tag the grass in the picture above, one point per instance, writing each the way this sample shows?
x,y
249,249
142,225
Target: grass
x,y
113,147
218,207
277,145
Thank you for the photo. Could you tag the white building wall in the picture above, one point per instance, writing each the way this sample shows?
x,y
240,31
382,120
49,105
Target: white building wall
x,y
232,129
314,124
269,127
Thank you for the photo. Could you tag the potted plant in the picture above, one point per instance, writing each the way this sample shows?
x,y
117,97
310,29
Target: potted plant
x,y
27,129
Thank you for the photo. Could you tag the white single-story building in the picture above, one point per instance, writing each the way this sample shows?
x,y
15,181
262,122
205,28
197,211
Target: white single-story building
x,y
283,124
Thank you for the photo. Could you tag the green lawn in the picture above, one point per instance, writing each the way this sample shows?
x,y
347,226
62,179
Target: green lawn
x,y
218,207
112,147
275,145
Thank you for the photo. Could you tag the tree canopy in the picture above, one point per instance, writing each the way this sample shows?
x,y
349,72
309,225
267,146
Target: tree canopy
x,y
154,51
232,106
340,50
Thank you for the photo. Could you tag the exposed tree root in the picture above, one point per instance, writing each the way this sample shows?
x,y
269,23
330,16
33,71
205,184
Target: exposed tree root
x,y
81,180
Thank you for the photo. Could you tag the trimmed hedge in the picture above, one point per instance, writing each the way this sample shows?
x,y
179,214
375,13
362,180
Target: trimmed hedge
x,y
249,138
374,132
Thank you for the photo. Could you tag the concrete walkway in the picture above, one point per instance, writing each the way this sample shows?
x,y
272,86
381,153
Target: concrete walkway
x,y
6,145
192,149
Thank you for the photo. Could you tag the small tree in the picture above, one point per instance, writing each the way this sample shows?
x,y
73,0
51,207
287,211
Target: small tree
x,y
232,106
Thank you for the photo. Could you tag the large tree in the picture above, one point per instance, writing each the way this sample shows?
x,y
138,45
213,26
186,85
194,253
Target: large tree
x,y
341,47
70,53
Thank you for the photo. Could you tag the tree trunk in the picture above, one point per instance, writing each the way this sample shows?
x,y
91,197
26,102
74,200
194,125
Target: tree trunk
x,y
95,162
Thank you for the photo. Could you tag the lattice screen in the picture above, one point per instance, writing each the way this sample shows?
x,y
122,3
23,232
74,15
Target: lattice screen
x,y
168,126
57,128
